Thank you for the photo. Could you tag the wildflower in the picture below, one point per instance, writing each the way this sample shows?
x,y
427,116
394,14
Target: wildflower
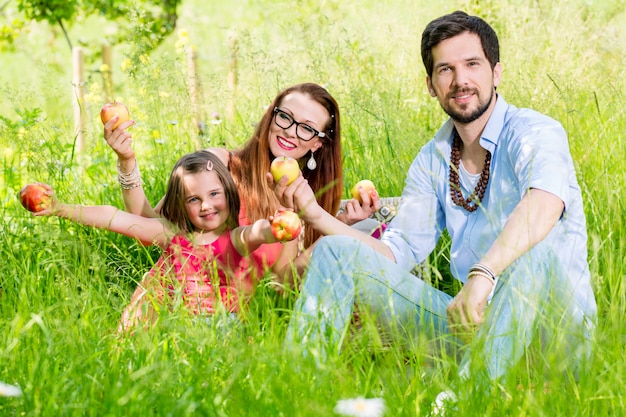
x,y
445,403
361,407
126,64
7,390
183,34
8,152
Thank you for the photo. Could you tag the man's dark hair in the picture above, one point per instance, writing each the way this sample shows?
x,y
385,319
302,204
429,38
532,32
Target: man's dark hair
x,y
453,24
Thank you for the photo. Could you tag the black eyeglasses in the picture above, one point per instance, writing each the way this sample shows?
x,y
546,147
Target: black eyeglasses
x,y
303,131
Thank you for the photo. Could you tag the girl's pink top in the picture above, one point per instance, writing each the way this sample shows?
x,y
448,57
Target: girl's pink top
x,y
206,275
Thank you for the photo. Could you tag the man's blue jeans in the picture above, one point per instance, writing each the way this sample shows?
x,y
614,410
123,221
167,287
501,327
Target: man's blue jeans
x,y
530,296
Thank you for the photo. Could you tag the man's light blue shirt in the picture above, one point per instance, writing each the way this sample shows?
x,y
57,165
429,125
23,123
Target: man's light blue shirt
x,y
529,150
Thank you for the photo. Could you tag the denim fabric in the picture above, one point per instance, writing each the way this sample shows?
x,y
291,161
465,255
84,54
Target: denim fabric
x,y
533,295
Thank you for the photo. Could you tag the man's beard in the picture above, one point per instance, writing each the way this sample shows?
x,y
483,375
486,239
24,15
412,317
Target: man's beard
x,y
469,118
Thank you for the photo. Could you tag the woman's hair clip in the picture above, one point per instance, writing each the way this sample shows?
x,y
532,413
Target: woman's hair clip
x,y
209,165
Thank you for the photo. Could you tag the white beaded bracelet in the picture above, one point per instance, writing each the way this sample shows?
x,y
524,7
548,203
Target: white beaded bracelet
x,y
129,180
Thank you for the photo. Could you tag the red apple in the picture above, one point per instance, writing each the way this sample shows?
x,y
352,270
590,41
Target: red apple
x,y
284,165
114,108
286,225
366,185
34,198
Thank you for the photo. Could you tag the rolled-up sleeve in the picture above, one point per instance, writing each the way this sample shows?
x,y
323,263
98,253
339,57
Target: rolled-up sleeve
x,y
414,232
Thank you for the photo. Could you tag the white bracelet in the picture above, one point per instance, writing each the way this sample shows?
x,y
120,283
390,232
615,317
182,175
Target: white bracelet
x,y
485,271
129,180
476,273
482,268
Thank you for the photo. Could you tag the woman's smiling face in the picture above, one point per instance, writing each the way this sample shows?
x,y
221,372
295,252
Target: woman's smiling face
x,y
303,109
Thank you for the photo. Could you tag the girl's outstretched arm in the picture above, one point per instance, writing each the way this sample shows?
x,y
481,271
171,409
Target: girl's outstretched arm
x,y
247,239
150,231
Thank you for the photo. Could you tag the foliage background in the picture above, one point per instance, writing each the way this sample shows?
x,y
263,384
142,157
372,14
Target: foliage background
x,y
63,286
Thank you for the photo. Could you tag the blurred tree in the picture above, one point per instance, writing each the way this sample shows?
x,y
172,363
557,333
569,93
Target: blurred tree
x,y
150,21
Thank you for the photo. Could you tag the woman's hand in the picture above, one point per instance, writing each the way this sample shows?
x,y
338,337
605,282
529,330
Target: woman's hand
x,y
120,140
286,194
297,196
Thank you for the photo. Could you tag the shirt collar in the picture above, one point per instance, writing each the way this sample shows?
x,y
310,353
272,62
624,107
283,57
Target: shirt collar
x,y
495,124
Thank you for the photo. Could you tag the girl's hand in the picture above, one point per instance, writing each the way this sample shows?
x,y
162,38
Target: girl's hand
x,y
120,140
285,225
54,202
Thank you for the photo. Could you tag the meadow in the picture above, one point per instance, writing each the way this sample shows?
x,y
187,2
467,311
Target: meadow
x,y
63,287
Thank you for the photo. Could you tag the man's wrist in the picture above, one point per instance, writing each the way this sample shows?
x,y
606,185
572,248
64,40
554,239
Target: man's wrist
x,y
342,217
482,270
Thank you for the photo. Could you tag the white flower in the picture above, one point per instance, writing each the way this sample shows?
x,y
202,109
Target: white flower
x,y
361,407
444,403
7,390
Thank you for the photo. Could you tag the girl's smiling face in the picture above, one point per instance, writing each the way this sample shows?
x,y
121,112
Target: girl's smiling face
x,y
205,202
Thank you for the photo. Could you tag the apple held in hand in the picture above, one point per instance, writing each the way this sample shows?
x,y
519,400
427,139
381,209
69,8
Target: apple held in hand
x,y
286,225
284,165
34,198
114,108
368,187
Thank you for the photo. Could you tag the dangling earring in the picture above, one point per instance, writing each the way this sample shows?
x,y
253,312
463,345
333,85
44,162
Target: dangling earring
x,y
311,164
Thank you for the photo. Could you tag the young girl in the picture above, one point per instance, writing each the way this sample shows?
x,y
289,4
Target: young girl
x,y
205,263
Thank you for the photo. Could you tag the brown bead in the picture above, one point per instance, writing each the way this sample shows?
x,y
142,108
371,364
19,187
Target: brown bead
x,y
455,184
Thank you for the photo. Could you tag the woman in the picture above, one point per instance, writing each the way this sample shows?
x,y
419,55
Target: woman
x,y
302,122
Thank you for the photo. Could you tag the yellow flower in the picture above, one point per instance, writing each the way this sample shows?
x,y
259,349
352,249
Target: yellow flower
x,y
8,152
144,59
125,65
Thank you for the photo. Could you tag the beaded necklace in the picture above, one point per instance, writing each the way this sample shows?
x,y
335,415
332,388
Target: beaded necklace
x,y
455,183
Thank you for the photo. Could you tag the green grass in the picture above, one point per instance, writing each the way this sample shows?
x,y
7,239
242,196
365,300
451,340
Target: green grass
x,y
63,286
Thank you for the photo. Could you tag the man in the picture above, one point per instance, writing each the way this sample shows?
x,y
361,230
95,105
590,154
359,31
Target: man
x,y
501,181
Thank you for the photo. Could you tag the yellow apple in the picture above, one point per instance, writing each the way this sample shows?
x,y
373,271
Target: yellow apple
x,y
366,185
114,108
285,166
